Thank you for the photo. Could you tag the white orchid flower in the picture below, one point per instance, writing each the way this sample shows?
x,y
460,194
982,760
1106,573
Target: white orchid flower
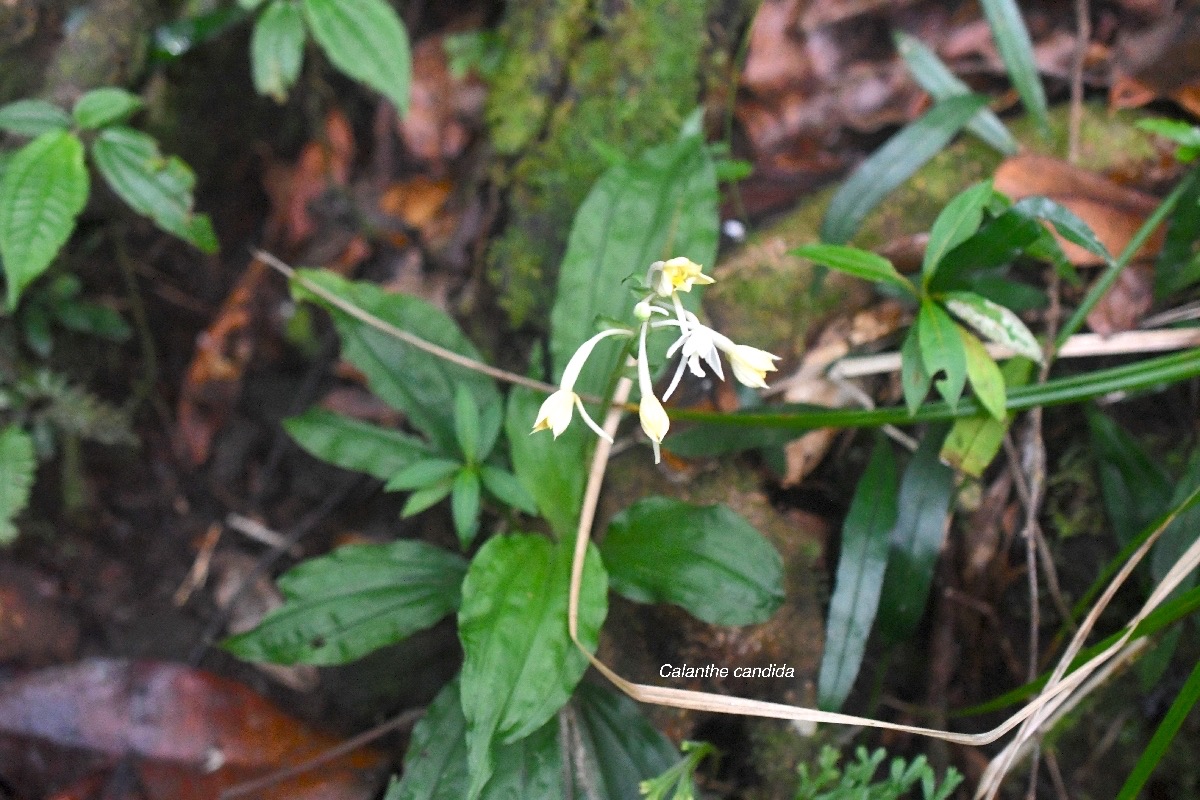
x,y
651,413
555,413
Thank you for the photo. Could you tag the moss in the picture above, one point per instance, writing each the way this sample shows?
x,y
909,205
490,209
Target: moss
x,y
573,86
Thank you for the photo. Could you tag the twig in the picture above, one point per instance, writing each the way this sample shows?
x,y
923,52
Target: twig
x,y
401,334
253,529
1083,35
199,571
400,721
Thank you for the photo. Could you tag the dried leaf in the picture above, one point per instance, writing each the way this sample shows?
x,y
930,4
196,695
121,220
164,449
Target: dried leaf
x,y
1124,304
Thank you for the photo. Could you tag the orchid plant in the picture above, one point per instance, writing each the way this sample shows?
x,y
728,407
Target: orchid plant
x,y
695,343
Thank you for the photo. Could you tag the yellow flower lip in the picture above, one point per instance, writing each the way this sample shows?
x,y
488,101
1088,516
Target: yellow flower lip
x,y
679,275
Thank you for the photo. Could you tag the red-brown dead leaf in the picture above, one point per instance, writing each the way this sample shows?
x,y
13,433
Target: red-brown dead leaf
x,y
322,164
191,734
444,111
213,379
34,628
419,203
1126,302
1114,212
1162,61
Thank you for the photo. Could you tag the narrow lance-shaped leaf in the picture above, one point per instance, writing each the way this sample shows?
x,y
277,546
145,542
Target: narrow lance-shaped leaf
x,y
860,571
994,322
1068,225
357,599
706,559
44,188
17,466
1016,50
355,445
856,262
464,505
520,665
956,223
942,350
894,163
984,375
1134,488
277,49
916,540
937,79
1163,736
366,40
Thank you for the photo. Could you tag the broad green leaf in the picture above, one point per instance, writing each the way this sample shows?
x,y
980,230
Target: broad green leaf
x,y
1016,50
425,472
1134,488
658,206
994,322
942,350
435,766
1178,265
926,491
33,118
421,385
860,571
158,187
973,442
1163,736
894,163
466,424
956,223
464,506
1003,291
357,599
45,187
999,242
520,665
354,445
618,747
506,488
105,106
426,497
859,263
277,49
984,375
937,79
706,559
1068,225
367,41
553,471
17,467
914,378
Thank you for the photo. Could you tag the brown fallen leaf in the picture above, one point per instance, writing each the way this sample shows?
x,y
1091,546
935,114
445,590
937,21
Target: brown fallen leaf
x,y
444,111
1126,302
190,734
35,628
322,164
1162,61
1114,212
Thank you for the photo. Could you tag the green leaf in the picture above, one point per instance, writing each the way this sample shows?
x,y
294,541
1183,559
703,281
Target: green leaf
x,y
105,106
155,186
973,442
553,471
425,472
357,599
1163,735
942,349
1068,225
33,118
277,49
367,41
618,747
956,223
93,319
506,488
660,205
354,445
464,506
1135,489
860,571
914,378
994,322
45,187
421,385
706,559
856,262
466,424
520,665
894,163
984,375
999,242
1182,531
426,497
17,466
1178,265
1016,50
926,491
937,79
1185,135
